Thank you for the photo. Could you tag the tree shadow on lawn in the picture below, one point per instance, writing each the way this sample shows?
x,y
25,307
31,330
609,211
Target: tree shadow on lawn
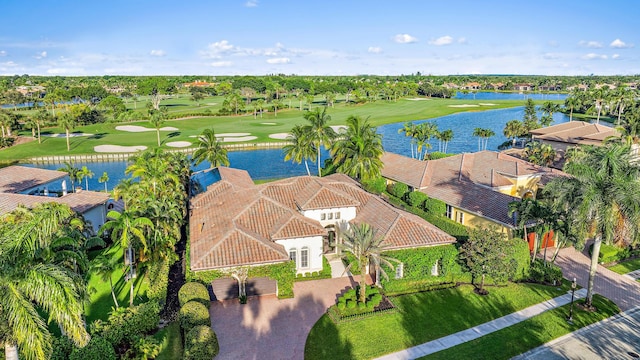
x,y
173,134
97,136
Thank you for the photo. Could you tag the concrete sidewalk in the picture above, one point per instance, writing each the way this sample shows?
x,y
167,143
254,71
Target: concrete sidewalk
x,y
482,329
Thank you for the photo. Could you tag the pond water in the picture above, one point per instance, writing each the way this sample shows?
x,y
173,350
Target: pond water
x,y
489,95
269,164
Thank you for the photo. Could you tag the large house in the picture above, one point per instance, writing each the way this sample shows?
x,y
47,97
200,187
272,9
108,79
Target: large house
x,y
234,222
476,187
573,133
22,185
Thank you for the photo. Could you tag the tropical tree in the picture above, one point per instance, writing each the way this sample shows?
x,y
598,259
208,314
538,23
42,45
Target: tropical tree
x,y
514,129
599,97
409,130
357,153
572,102
530,119
103,180
604,197
623,98
260,105
74,173
309,99
129,232
423,134
210,149
486,253
540,153
234,102
85,174
362,241
103,267
39,119
318,132
68,123
157,119
299,149
548,108
483,137
39,279
446,136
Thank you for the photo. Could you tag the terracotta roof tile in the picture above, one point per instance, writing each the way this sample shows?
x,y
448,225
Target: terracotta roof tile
x,y
80,201
14,179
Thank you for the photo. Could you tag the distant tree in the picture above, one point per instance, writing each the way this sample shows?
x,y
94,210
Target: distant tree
x,y
211,150
85,174
309,99
299,148
113,104
357,152
409,129
233,102
104,179
530,119
514,129
40,118
446,136
422,135
318,132
483,137
68,123
485,254
73,173
156,88
157,119
548,108
196,95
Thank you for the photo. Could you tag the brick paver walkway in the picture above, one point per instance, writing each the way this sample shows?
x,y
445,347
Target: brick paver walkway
x,y
619,288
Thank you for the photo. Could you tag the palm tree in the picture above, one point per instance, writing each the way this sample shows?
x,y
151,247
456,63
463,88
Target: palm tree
x,y
85,174
103,267
357,153
157,119
539,153
210,149
299,148
409,130
513,129
125,228
39,119
483,137
36,281
605,197
446,136
309,99
104,179
362,241
599,96
572,102
318,132
73,172
260,105
623,99
548,108
423,135
68,123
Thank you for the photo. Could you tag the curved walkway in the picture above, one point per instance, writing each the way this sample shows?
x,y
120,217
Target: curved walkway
x,y
619,288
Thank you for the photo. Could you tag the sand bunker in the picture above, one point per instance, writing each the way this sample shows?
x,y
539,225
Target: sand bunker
x,y
118,148
418,99
464,105
340,129
135,128
487,104
65,135
269,123
237,138
232,134
279,136
178,144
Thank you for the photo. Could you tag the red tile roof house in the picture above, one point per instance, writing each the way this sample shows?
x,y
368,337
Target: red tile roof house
x,y
236,223
573,133
21,185
476,187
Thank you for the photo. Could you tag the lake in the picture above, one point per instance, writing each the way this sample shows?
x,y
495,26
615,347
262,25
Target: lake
x,y
489,95
269,163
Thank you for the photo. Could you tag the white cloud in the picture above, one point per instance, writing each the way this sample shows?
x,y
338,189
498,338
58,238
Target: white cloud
x,y
251,3
65,71
590,44
220,47
283,60
157,53
221,63
404,39
619,44
41,55
3,53
462,40
594,56
443,40
8,63
615,56
374,49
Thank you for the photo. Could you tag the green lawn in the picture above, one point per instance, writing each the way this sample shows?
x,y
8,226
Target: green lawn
x,y
524,336
380,112
626,266
101,299
171,342
423,317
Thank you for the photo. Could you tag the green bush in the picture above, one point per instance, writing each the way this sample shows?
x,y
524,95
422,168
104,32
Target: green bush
x,y
610,253
351,304
194,291
342,305
439,155
201,343
435,206
418,263
417,199
521,259
158,281
398,189
193,314
545,273
62,348
127,323
375,186
98,348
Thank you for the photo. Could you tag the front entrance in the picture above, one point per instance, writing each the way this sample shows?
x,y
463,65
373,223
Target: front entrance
x,y
227,288
330,241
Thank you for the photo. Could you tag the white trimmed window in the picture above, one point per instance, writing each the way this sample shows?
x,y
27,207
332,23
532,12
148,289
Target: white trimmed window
x,y
400,271
338,215
323,216
293,254
449,211
435,269
330,216
460,217
304,258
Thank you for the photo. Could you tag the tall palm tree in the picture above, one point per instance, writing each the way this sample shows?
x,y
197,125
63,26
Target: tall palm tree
x,y
599,96
128,231
362,241
36,281
623,98
423,134
210,149
104,179
73,172
104,267
68,123
605,197
483,137
513,129
299,149
548,108
157,119
409,130
446,136
85,174
318,132
572,102
39,119
357,153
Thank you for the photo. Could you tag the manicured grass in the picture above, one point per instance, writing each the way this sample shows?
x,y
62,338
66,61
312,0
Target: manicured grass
x,y
380,112
423,317
626,266
531,333
171,342
101,300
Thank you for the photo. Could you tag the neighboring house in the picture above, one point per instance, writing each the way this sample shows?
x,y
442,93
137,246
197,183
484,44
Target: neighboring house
x,y
21,185
472,86
198,83
573,133
497,86
523,87
236,223
476,187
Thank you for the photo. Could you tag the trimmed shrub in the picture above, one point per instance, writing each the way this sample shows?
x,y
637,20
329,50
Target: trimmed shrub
x,y
375,186
416,199
62,348
98,348
342,305
351,304
362,306
545,273
610,253
435,206
128,323
201,343
398,189
194,291
193,314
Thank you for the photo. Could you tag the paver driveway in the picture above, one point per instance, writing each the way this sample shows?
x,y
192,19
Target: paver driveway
x,y
268,328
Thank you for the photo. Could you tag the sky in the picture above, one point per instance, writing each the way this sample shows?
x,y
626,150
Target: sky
x,y
305,37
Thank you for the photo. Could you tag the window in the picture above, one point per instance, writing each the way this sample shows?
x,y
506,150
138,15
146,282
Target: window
x,y
449,211
304,258
330,216
435,269
323,216
460,217
400,271
338,215
292,255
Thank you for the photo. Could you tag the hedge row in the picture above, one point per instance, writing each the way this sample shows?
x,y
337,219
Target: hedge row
x,y
201,343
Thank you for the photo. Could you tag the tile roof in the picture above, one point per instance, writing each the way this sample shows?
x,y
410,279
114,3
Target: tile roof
x,y
576,132
14,179
79,201
236,224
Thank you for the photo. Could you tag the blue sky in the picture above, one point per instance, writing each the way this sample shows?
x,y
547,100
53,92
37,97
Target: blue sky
x,y
348,37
